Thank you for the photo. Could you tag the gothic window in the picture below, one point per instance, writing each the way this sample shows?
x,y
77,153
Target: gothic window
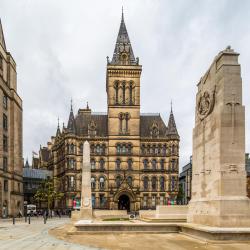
x,y
102,164
118,164
92,148
154,131
145,164
5,143
71,163
129,180
5,101
173,149
164,150
173,165
145,201
102,149
71,182
93,183
162,164
116,92
102,182
131,93
130,163
5,164
81,148
154,183
71,148
155,150
162,183
145,183
173,183
118,148
118,181
123,148
154,164
129,148
5,122
98,150
123,93
127,118
92,164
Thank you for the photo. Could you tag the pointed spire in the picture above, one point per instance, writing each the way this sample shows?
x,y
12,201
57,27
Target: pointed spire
x,y
123,53
172,129
27,165
58,131
2,41
71,122
87,105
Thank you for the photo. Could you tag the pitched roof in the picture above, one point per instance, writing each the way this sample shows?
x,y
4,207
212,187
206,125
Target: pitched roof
x,y
146,123
2,41
123,45
71,122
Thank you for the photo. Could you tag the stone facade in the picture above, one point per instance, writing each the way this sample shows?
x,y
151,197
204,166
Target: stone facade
x,y
219,175
134,156
11,170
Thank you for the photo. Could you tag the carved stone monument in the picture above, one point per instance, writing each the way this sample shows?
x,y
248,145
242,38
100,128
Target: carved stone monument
x,y
219,176
86,202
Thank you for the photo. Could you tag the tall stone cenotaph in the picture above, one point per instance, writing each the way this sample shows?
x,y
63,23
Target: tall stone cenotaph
x,y
86,202
219,177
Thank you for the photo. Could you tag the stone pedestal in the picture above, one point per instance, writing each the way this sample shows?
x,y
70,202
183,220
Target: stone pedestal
x,y
219,177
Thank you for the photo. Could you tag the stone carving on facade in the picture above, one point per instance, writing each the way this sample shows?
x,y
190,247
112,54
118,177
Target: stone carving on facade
x,y
154,130
206,104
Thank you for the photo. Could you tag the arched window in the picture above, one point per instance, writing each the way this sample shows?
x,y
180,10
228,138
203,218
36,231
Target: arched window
x,y
124,148
173,149
72,148
71,163
118,164
118,148
145,164
92,149
145,183
130,164
164,150
123,93
102,164
154,183
116,92
102,182
118,181
154,164
129,180
98,149
93,183
162,164
173,165
162,183
103,149
81,149
173,183
92,163
131,93
71,184
129,148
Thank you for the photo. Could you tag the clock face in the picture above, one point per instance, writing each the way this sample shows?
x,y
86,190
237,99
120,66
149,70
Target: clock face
x,y
86,202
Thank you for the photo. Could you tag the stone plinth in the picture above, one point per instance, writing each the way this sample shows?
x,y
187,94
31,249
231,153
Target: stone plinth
x,y
219,177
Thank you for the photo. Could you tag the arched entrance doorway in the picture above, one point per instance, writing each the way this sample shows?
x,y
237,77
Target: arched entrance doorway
x,y
124,202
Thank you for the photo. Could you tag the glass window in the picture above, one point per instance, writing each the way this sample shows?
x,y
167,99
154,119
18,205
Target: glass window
x,y
162,164
118,149
93,185
145,183
102,183
93,200
102,200
102,164
5,143
5,164
92,163
154,183
153,200
161,200
6,185
145,200
118,164
130,164
5,122
145,164
162,183
154,164
129,180
118,181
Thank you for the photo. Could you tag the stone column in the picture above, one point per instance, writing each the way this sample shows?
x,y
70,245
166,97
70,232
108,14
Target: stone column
x,y
86,201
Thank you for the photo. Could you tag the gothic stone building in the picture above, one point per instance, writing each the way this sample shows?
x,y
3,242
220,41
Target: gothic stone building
x,y
11,163
134,156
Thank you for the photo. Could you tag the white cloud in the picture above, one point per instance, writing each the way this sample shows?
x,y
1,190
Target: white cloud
x,y
61,48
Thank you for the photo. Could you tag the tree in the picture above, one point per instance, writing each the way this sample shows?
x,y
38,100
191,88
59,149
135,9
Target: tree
x,y
47,193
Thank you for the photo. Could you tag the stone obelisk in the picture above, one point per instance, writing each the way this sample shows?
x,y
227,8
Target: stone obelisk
x,y
86,202
219,177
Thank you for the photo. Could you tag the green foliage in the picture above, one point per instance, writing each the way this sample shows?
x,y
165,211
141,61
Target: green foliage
x,y
47,192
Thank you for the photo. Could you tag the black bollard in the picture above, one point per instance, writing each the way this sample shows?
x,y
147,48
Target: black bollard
x,y
14,220
44,219
29,219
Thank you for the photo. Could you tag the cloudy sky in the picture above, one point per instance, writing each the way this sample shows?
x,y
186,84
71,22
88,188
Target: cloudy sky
x,y
61,46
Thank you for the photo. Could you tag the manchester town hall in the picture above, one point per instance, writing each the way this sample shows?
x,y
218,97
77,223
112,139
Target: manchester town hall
x,y
134,156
